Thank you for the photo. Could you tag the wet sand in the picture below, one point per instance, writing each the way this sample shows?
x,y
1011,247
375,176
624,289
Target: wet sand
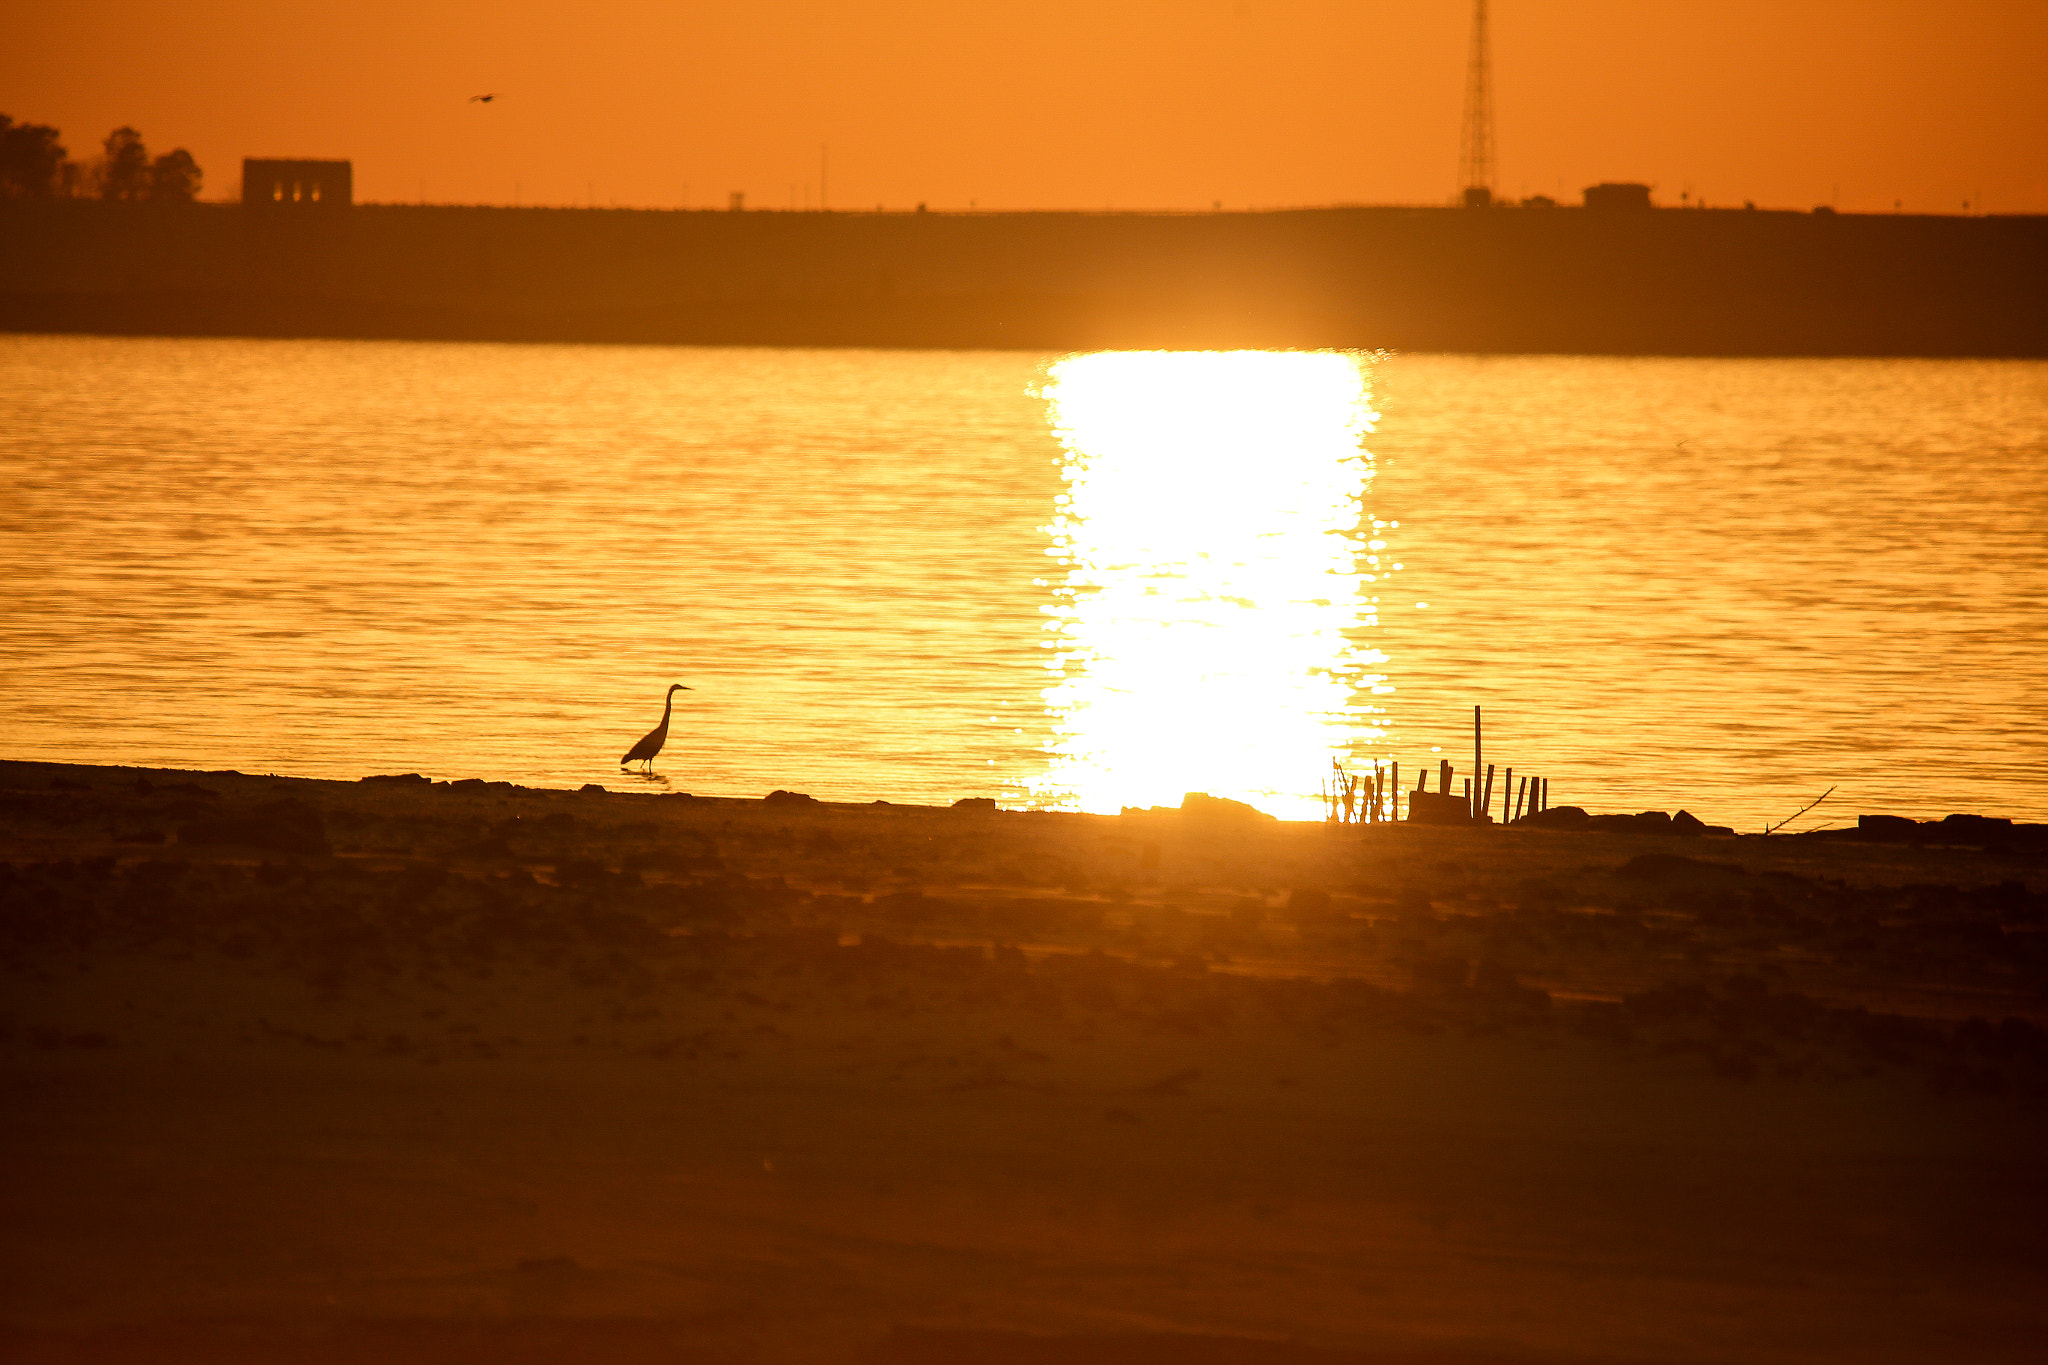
x,y
396,1071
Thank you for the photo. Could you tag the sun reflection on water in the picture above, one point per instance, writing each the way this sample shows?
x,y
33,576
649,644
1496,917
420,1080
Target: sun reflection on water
x,y
1211,630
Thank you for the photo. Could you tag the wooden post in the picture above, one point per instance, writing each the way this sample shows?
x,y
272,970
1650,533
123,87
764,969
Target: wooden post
x,y
1443,776
1546,793
1507,790
1484,806
1468,793
1476,755
1521,797
1394,792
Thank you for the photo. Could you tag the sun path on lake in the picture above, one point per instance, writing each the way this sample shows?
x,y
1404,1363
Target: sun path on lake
x,y
1210,622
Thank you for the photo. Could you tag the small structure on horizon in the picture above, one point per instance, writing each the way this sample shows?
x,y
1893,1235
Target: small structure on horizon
x,y
299,185
1609,195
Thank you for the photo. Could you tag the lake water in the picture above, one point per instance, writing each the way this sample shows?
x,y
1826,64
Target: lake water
x,y
1087,581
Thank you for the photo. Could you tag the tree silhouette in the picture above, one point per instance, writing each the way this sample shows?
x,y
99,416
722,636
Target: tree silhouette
x,y
174,178
30,160
125,172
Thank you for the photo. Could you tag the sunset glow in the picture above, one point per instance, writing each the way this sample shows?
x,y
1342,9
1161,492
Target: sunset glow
x,y
1009,105
934,683
1205,634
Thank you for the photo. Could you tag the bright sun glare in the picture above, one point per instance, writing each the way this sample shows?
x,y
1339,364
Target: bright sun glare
x,y
1210,631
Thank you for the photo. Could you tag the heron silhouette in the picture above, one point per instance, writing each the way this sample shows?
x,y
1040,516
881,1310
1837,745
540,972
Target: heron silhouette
x,y
650,745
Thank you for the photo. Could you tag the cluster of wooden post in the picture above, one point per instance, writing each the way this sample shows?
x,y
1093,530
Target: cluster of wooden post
x,y
1371,799
1533,795
1518,797
1363,798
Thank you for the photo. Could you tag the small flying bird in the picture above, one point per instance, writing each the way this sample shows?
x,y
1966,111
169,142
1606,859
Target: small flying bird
x,y
648,747
481,99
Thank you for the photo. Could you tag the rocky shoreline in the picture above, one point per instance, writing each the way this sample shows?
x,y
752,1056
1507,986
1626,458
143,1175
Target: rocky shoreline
x,y
327,1063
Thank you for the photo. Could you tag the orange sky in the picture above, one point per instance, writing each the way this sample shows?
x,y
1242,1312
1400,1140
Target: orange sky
x,y
1131,103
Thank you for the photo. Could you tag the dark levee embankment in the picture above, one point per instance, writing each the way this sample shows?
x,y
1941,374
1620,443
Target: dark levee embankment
x,y
424,1071
1507,280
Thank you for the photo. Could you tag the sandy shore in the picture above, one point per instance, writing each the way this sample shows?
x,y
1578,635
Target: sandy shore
x,y
397,1071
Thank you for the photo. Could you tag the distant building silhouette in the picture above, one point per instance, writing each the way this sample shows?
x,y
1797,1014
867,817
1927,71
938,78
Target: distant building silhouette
x,y
1607,195
297,227
297,184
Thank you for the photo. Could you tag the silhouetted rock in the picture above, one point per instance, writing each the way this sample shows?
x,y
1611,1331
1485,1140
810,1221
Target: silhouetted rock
x,y
1557,817
590,787
1686,823
1643,822
1992,833
1441,808
779,797
405,779
987,803
1985,831
1219,807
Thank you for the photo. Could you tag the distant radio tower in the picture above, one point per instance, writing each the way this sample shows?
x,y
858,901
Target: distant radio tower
x,y
1475,147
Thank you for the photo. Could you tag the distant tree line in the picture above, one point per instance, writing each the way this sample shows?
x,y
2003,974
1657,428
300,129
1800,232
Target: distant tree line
x,y
34,165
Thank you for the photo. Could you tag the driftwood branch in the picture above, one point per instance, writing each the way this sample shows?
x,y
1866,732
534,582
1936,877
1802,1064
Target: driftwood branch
x,y
1771,829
